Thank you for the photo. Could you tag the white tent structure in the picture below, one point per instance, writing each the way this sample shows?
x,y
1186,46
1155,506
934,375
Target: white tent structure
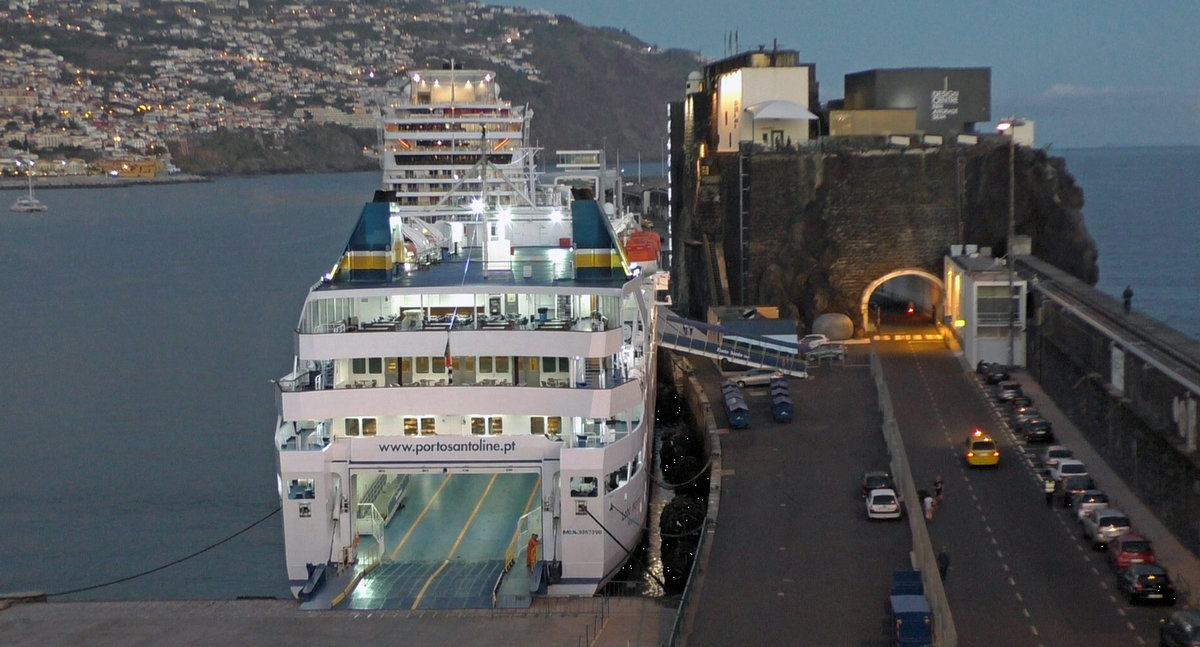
x,y
776,123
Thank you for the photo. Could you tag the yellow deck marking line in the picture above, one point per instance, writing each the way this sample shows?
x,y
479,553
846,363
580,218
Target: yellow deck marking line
x,y
512,544
454,548
366,571
421,516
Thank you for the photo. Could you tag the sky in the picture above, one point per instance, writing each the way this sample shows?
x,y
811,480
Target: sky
x,y
1088,73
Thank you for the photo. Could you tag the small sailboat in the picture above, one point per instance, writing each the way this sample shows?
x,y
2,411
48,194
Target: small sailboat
x,y
28,203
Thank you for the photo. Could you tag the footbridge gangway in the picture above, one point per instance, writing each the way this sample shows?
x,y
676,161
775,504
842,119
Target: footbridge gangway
x,y
718,342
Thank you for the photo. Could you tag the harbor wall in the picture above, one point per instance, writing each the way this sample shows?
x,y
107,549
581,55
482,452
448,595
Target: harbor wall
x,y
1139,415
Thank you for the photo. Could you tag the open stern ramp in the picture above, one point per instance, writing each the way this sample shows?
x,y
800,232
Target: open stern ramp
x,y
452,545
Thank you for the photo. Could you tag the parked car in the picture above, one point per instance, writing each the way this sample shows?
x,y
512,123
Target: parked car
x,y
991,372
1180,629
809,342
1103,525
1071,486
1067,467
1006,391
756,377
1130,548
1088,500
1146,583
981,449
876,480
1038,430
831,351
1054,453
1021,413
1020,401
883,504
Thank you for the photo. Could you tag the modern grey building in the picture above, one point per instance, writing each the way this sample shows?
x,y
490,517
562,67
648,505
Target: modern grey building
x,y
948,100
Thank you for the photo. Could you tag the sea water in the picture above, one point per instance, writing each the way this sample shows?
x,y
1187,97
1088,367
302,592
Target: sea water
x,y
143,324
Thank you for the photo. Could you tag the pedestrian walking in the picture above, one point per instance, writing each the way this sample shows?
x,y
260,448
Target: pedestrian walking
x,y
1127,298
943,563
1049,487
531,552
928,504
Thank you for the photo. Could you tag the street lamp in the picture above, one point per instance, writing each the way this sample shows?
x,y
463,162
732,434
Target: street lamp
x,y
1007,127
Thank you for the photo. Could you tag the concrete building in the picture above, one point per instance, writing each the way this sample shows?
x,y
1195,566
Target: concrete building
x,y
765,97
978,308
947,100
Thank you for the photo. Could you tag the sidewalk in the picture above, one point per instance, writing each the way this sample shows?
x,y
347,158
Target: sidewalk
x,y
1182,564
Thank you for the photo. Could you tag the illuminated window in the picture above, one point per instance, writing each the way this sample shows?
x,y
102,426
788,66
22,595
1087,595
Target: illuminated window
x,y
301,489
478,426
422,365
351,426
410,426
428,426
497,425
485,365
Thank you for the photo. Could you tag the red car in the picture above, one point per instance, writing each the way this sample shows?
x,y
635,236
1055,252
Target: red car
x,y
1130,548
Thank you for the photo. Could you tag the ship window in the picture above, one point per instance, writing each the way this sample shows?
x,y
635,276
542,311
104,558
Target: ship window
x,y
497,425
428,426
422,365
548,425
375,365
533,363
485,365
502,365
410,426
358,365
469,363
477,426
368,426
564,365
583,486
351,426
439,365
301,489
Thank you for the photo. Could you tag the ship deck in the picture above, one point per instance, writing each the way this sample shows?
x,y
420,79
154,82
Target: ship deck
x,y
528,267
446,548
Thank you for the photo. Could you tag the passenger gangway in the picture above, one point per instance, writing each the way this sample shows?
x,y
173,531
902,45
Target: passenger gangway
x,y
709,340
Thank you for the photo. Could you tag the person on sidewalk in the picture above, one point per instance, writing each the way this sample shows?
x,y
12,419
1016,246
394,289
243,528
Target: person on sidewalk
x,y
927,503
943,563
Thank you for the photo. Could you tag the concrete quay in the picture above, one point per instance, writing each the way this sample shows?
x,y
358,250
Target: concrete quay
x,y
96,181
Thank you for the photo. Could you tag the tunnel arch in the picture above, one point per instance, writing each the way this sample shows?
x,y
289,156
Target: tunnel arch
x,y
865,299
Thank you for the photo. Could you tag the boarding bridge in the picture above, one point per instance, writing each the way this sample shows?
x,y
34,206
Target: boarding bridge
x,y
718,342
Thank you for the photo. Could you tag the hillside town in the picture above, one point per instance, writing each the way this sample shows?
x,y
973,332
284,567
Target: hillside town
x,y
106,87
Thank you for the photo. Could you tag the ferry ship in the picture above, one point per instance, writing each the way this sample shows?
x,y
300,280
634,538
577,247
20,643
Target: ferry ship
x,y
476,369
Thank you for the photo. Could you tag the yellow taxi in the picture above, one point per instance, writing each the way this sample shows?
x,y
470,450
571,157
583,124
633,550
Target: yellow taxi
x,y
981,449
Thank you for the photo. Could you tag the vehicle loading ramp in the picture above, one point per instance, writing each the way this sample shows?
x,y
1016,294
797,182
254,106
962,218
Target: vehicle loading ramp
x,y
717,342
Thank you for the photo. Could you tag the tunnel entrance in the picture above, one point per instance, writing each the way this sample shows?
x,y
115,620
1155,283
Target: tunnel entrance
x,y
905,300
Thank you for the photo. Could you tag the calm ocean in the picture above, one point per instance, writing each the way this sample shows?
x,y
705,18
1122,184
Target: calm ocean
x,y
144,324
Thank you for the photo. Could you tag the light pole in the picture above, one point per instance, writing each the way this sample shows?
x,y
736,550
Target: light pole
x,y
1008,127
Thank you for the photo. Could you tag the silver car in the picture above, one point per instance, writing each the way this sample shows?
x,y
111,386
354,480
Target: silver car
x,y
1103,525
757,377
1089,500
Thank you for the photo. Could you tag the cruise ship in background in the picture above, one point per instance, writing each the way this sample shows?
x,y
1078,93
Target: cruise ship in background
x,y
477,367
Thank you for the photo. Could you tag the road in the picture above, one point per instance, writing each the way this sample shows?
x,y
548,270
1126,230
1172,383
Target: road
x,y
795,561
1020,573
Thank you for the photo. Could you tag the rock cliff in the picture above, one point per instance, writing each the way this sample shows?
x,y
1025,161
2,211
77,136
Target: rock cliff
x,y
819,225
